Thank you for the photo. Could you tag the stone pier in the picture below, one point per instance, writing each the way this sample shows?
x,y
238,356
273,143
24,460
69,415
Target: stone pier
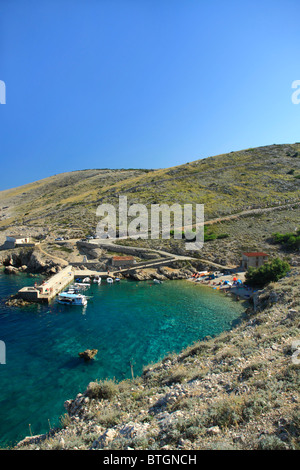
x,y
50,288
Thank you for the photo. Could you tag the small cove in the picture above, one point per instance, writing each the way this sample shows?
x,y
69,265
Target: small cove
x,y
128,322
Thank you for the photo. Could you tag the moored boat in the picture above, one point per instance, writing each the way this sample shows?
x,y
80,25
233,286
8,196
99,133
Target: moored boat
x,y
97,280
82,285
67,298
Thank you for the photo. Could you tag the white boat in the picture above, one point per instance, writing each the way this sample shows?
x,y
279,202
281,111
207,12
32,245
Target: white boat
x,y
72,291
86,280
97,280
110,280
157,281
67,298
82,285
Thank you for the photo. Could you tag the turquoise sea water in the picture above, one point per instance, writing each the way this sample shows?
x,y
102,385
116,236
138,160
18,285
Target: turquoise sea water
x,y
128,322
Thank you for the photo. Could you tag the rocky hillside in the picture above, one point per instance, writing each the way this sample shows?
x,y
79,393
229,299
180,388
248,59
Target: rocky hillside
x,y
239,390
226,184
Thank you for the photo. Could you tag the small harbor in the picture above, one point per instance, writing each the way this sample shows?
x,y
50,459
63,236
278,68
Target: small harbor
x,y
50,288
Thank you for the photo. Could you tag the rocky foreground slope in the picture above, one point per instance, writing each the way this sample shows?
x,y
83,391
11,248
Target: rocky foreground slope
x,y
239,390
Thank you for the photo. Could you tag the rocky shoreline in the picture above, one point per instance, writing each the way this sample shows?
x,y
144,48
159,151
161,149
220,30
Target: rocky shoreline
x,y
33,262
29,261
162,273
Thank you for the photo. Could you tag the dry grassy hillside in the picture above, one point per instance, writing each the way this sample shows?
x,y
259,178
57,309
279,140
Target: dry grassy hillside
x,y
226,184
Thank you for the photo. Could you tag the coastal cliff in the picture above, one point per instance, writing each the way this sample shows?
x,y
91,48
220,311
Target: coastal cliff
x,y
30,260
239,390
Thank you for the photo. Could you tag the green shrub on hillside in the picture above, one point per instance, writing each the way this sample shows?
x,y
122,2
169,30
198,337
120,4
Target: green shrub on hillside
x,y
290,240
209,234
268,272
222,235
104,389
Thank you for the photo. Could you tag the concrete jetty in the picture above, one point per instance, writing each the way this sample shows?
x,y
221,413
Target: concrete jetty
x,y
50,288
56,283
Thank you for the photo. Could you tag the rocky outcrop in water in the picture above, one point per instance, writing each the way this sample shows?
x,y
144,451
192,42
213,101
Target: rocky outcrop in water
x,y
15,301
88,354
10,270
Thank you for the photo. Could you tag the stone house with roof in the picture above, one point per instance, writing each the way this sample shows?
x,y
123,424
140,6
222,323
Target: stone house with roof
x,y
254,259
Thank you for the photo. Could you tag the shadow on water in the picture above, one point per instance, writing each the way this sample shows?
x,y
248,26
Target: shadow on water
x,y
73,363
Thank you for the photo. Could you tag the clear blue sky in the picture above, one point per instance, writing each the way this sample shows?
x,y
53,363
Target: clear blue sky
x,y
143,83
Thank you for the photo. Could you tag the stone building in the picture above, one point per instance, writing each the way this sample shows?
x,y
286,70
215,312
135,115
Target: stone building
x,y
254,259
13,241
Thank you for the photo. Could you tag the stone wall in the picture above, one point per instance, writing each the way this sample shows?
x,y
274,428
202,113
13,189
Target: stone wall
x,y
130,250
93,266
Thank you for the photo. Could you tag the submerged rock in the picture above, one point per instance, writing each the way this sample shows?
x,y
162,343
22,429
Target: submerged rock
x,y
16,301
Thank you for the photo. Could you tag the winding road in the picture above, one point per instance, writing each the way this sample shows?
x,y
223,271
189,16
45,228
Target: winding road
x,y
171,257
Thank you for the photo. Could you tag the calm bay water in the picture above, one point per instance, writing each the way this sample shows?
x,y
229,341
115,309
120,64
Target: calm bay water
x,y
128,322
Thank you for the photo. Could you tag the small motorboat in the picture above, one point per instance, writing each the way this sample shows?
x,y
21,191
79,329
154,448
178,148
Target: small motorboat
x,y
117,279
157,281
86,280
97,280
73,290
81,285
67,298
109,280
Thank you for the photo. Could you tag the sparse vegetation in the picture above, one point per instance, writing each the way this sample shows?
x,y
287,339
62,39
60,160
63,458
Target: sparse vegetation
x,y
225,184
104,389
